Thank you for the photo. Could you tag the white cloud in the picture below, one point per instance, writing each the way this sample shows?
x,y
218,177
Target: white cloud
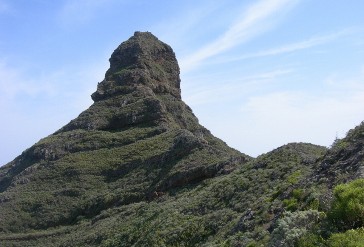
x,y
343,84
273,119
13,83
252,22
63,82
184,23
20,118
311,42
34,107
285,117
262,120
79,12
231,88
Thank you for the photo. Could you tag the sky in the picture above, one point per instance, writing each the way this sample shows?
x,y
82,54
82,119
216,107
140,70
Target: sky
x,y
257,73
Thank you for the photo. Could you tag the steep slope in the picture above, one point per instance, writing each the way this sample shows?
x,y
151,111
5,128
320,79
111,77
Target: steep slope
x,y
234,209
335,189
138,141
345,160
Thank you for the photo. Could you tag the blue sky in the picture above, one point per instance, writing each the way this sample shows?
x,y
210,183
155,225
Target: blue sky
x,y
258,74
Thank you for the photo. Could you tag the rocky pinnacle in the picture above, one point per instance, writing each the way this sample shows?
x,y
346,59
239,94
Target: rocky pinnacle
x,y
142,60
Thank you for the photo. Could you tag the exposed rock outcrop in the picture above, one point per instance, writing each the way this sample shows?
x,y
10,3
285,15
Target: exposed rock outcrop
x,y
345,160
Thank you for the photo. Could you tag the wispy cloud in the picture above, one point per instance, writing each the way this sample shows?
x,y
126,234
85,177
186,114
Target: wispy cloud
x,y
340,83
14,83
251,22
184,22
262,120
79,12
298,116
49,99
289,48
287,115
230,90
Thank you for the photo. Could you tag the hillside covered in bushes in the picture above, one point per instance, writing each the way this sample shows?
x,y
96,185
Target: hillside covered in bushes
x,y
137,169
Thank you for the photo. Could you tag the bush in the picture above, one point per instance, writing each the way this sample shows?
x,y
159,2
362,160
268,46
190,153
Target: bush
x,y
292,226
347,210
310,240
290,204
350,238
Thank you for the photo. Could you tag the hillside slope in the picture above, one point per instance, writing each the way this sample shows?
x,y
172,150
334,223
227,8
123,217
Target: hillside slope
x,y
137,169
137,140
345,160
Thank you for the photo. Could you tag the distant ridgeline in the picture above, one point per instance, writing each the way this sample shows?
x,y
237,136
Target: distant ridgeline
x,y
137,169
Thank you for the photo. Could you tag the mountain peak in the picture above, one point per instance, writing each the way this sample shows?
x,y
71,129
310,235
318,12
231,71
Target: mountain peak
x,y
143,60
141,88
136,143
139,157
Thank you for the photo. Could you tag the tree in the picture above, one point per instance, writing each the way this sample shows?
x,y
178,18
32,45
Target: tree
x,y
347,210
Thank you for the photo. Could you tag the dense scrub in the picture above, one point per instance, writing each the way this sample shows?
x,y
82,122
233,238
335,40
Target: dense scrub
x,y
137,169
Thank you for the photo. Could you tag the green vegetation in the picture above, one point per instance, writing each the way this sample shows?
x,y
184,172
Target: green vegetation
x,y
107,195
137,169
347,209
344,222
292,226
350,238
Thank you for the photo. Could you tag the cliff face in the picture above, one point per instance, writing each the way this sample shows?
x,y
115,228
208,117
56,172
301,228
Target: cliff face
x,y
141,87
145,61
137,169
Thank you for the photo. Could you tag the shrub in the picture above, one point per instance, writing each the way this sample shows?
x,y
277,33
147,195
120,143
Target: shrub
x,y
347,210
310,240
350,238
290,204
298,194
292,226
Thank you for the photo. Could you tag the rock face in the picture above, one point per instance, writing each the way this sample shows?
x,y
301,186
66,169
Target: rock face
x,y
143,60
141,87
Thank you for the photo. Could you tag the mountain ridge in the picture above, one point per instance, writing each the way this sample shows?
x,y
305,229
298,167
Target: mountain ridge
x,y
138,121
137,169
